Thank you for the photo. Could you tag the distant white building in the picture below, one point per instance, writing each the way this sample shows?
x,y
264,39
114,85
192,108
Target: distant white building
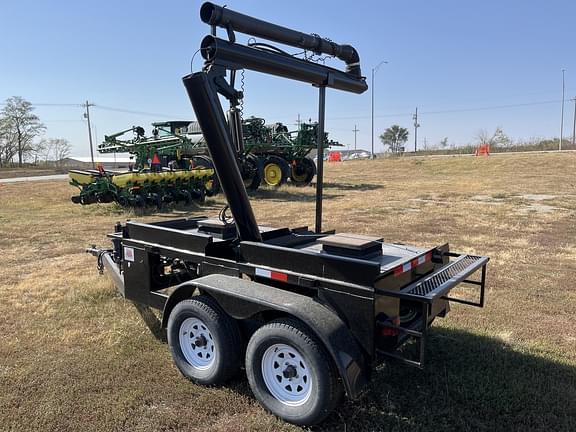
x,y
108,162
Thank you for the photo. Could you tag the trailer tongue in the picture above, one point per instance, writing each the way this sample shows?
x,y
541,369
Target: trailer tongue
x,y
313,311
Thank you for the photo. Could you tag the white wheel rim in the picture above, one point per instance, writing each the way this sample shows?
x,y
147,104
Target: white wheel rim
x,y
286,375
197,344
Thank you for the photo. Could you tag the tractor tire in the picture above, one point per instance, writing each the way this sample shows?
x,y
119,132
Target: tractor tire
x,y
275,171
302,171
252,172
291,374
204,340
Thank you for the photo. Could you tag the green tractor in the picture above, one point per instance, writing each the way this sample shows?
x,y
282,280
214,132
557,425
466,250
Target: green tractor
x,y
283,154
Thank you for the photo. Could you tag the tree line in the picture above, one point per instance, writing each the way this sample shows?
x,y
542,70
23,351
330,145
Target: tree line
x,y
22,136
395,137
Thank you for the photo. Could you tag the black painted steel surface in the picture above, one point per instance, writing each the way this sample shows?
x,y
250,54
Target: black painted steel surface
x,y
217,135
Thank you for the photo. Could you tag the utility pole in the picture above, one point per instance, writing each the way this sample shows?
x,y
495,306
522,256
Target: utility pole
x,y
355,130
87,117
416,126
574,124
562,113
374,69
298,121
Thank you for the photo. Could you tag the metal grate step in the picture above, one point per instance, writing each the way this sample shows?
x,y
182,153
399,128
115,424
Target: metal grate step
x,y
446,278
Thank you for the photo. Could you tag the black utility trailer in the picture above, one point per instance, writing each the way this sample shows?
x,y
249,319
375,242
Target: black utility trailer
x,y
307,313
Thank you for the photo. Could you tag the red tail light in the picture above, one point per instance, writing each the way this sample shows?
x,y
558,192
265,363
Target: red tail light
x,y
389,331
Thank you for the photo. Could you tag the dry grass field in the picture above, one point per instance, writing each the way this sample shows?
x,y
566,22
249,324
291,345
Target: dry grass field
x,y
74,356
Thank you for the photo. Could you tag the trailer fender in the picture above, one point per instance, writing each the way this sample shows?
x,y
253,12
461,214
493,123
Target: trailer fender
x,y
242,299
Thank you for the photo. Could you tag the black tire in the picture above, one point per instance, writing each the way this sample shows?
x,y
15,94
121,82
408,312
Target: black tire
x,y
324,389
252,172
223,336
275,171
186,196
302,171
139,201
123,201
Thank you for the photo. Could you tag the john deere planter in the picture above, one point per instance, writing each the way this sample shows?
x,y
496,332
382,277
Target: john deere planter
x,y
137,189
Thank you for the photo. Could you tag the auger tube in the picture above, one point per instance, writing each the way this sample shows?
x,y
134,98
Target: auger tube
x,y
217,135
223,17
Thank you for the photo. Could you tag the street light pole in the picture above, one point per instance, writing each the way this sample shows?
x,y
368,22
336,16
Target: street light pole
x,y
374,70
562,113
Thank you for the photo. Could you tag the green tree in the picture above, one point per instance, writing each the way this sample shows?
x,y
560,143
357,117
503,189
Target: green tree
x,y
18,128
395,137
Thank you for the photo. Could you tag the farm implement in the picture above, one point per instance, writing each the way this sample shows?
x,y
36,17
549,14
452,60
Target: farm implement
x,y
269,155
141,188
307,313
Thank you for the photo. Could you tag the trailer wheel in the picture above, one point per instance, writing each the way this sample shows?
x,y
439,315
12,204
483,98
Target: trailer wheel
x,y
291,374
204,341
276,171
251,172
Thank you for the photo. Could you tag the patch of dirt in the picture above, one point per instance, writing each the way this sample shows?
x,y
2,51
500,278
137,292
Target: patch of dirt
x,y
537,208
537,197
486,198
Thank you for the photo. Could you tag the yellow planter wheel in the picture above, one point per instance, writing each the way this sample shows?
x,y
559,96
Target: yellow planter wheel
x,y
276,171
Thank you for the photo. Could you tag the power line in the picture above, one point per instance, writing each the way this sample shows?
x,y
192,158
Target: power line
x,y
451,111
52,104
105,108
401,114
144,113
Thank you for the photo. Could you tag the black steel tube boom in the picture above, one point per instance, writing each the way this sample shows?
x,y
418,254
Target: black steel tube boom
x,y
223,17
211,119
233,56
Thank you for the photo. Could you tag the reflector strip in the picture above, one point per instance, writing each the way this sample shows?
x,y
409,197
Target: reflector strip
x,y
272,274
401,269
280,276
264,273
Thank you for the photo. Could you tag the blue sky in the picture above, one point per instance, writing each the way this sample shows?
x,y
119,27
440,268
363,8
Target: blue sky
x,y
456,60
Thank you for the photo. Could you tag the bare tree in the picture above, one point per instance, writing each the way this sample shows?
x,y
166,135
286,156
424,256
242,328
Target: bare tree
x,y
45,150
8,149
18,128
60,149
498,138
37,152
